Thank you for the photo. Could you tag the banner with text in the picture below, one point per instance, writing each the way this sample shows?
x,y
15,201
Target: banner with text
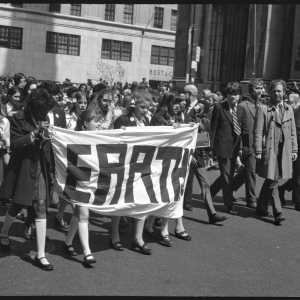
x,y
134,172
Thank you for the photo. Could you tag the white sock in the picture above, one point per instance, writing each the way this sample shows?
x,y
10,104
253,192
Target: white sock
x,y
7,223
40,225
72,231
83,230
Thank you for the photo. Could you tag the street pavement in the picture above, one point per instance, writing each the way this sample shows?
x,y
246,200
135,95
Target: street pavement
x,y
246,255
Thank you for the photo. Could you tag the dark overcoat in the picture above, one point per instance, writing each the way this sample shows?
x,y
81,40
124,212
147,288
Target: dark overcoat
x,y
128,121
19,183
267,127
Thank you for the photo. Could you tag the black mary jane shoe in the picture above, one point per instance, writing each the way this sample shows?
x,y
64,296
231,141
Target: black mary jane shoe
x,y
116,246
68,250
3,246
38,263
87,262
181,236
143,249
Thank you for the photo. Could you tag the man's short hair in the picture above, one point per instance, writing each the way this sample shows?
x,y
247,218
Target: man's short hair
x,y
254,82
233,87
276,82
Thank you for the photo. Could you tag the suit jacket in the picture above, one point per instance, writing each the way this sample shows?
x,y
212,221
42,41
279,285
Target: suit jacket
x,y
128,121
59,117
224,142
250,111
19,183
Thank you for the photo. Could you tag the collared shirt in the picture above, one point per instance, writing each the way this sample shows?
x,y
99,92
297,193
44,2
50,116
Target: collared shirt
x,y
139,123
230,107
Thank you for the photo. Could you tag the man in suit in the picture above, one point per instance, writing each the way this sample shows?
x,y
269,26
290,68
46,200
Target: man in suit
x,y
228,129
275,146
247,174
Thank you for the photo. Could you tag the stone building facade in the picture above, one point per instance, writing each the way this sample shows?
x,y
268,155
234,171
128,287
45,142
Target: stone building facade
x,y
58,41
237,42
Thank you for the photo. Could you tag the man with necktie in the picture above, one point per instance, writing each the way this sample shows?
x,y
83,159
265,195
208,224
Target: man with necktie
x,y
228,129
275,146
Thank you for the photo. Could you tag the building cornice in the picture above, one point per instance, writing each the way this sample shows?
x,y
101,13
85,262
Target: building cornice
x,y
89,20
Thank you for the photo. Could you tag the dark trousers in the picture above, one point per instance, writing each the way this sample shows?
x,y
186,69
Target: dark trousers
x,y
200,174
269,190
245,175
227,167
296,181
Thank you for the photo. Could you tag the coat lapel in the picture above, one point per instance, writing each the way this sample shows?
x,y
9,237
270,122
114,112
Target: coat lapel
x,y
226,110
251,108
287,113
131,120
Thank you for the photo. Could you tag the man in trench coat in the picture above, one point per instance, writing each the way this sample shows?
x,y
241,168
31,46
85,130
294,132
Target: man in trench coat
x,y
275,146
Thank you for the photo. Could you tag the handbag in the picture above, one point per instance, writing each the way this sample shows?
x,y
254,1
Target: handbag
x,y
203,140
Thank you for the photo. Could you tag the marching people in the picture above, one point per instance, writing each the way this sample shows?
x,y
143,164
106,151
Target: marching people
x,y
275,147
228,128
32,160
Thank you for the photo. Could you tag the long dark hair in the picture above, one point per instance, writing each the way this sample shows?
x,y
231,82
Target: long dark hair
x,y
164,106
24,92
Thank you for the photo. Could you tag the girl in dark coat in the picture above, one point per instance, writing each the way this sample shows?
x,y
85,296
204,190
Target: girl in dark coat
x,y
29,171
168,114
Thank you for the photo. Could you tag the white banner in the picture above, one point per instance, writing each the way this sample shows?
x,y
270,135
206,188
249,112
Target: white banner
x,y
134,172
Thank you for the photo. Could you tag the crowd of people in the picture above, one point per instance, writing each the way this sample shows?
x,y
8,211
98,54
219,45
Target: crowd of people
x,y
247,133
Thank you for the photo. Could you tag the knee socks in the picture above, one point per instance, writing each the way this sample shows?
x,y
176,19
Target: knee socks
x,y
40,225
7,223
83,231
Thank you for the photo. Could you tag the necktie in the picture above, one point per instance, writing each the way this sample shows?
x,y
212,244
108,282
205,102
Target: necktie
x,y
236,125
280,112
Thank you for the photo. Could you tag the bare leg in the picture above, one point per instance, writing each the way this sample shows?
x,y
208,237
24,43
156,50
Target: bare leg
x,y
149,223
115,220
165,226
138,231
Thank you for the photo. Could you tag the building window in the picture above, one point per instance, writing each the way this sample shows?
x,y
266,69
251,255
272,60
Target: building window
x,y
110,12
116,50
159,17
54,8
11,37
128,13
63,43
162,56
173,19
17,5
75,9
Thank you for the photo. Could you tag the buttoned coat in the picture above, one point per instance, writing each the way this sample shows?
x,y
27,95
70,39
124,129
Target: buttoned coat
x,y
267,127
224,142
128,121
19,183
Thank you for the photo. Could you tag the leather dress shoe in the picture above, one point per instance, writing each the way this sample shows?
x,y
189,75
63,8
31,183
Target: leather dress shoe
x,y
61,223
231,210
251,205
123,223
165,239
87,262
157,222
180,235
143,249
187,206
263,213
216,219
297,206
279,219
46,267
54,205
116,246
29,233
68,249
